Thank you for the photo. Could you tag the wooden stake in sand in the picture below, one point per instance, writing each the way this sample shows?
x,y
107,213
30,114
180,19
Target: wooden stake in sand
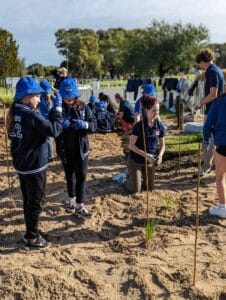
x,y
146,170
7,159
197,211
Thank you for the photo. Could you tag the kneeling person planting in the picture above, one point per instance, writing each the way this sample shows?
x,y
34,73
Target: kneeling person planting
x,y
152,131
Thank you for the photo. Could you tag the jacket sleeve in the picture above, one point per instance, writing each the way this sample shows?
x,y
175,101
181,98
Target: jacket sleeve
x,y
49,127
211,120
91,120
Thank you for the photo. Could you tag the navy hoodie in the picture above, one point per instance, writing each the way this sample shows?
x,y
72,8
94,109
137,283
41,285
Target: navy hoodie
x,y
28,137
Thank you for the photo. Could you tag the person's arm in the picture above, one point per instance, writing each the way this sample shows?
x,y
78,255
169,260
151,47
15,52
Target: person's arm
x,y
120,115
162,146
210,97
133,147
48,127
137,117
210,121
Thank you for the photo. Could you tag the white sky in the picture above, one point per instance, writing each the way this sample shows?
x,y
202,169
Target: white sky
x,y
33,23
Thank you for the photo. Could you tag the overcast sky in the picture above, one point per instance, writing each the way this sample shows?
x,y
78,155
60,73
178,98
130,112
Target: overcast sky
x,y
33,23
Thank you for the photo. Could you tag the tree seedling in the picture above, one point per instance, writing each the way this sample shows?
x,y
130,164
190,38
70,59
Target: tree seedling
x,y
150,228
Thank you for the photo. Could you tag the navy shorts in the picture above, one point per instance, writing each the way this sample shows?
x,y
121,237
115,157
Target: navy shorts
x,y
221,150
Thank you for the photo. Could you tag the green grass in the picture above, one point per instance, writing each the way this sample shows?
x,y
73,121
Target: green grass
x,y
6,96
188,142
165,114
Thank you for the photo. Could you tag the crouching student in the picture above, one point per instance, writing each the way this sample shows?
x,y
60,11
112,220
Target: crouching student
x,y
73,145
103,117
216,125
126,114
28,131
92,103
154,132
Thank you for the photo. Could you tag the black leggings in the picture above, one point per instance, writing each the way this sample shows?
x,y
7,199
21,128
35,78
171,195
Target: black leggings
x,y
221,150
75,172
33,190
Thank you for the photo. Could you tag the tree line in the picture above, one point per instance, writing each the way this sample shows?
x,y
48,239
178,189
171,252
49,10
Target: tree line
x,y
155,50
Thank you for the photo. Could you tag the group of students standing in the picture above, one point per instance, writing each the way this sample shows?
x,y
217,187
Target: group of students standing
x,y
32,122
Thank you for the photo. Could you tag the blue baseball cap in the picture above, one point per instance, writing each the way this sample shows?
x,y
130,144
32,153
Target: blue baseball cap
x,y
68,88
149,89
44,84
92,99
26,86
100,105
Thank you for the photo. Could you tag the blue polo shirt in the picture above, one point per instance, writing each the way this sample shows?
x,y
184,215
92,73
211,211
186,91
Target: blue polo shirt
x,y
152,135
127,109
214,77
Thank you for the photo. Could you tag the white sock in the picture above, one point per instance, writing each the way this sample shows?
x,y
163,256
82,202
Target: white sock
x,y
79,205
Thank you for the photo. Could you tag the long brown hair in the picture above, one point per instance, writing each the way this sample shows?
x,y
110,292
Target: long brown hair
x,y
9,118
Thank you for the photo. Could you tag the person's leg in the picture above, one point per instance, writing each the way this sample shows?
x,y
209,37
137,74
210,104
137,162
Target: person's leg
x,y
69,170
133,183
208,155
81,167
34,188
151,178
220,163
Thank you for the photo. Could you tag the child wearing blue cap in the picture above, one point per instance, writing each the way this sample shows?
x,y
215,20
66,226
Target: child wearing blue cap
x,y
92,103
73,145
148,90
28,131
104,118
44,107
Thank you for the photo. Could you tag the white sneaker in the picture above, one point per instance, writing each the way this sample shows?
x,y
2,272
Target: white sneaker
x,y
218,211
70,205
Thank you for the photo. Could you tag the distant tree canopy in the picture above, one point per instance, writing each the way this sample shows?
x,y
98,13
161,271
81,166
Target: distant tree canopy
x,y
10,63
116,51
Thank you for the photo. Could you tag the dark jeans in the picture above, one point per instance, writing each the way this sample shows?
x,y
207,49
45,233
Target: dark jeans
x,y
75,172
136,176
33,191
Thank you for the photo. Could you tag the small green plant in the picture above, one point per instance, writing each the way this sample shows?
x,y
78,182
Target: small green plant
x,y
150,228
168,201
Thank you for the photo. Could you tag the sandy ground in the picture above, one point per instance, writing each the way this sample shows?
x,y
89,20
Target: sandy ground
x,y
107,257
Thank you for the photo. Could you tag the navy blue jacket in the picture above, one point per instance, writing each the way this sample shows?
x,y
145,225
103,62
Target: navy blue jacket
x,y
28,137
76,141
216,122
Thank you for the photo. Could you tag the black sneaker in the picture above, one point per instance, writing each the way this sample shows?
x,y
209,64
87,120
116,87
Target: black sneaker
x,y
24,239
83,212
40,243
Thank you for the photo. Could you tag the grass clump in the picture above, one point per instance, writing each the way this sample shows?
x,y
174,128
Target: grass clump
x,y
150,228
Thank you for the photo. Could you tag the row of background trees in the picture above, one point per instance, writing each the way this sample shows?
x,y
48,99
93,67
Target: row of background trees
x,y
117,52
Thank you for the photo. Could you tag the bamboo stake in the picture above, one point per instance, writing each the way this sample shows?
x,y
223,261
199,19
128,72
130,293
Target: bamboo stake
x,y
7,159
197,212
146,170
179,156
